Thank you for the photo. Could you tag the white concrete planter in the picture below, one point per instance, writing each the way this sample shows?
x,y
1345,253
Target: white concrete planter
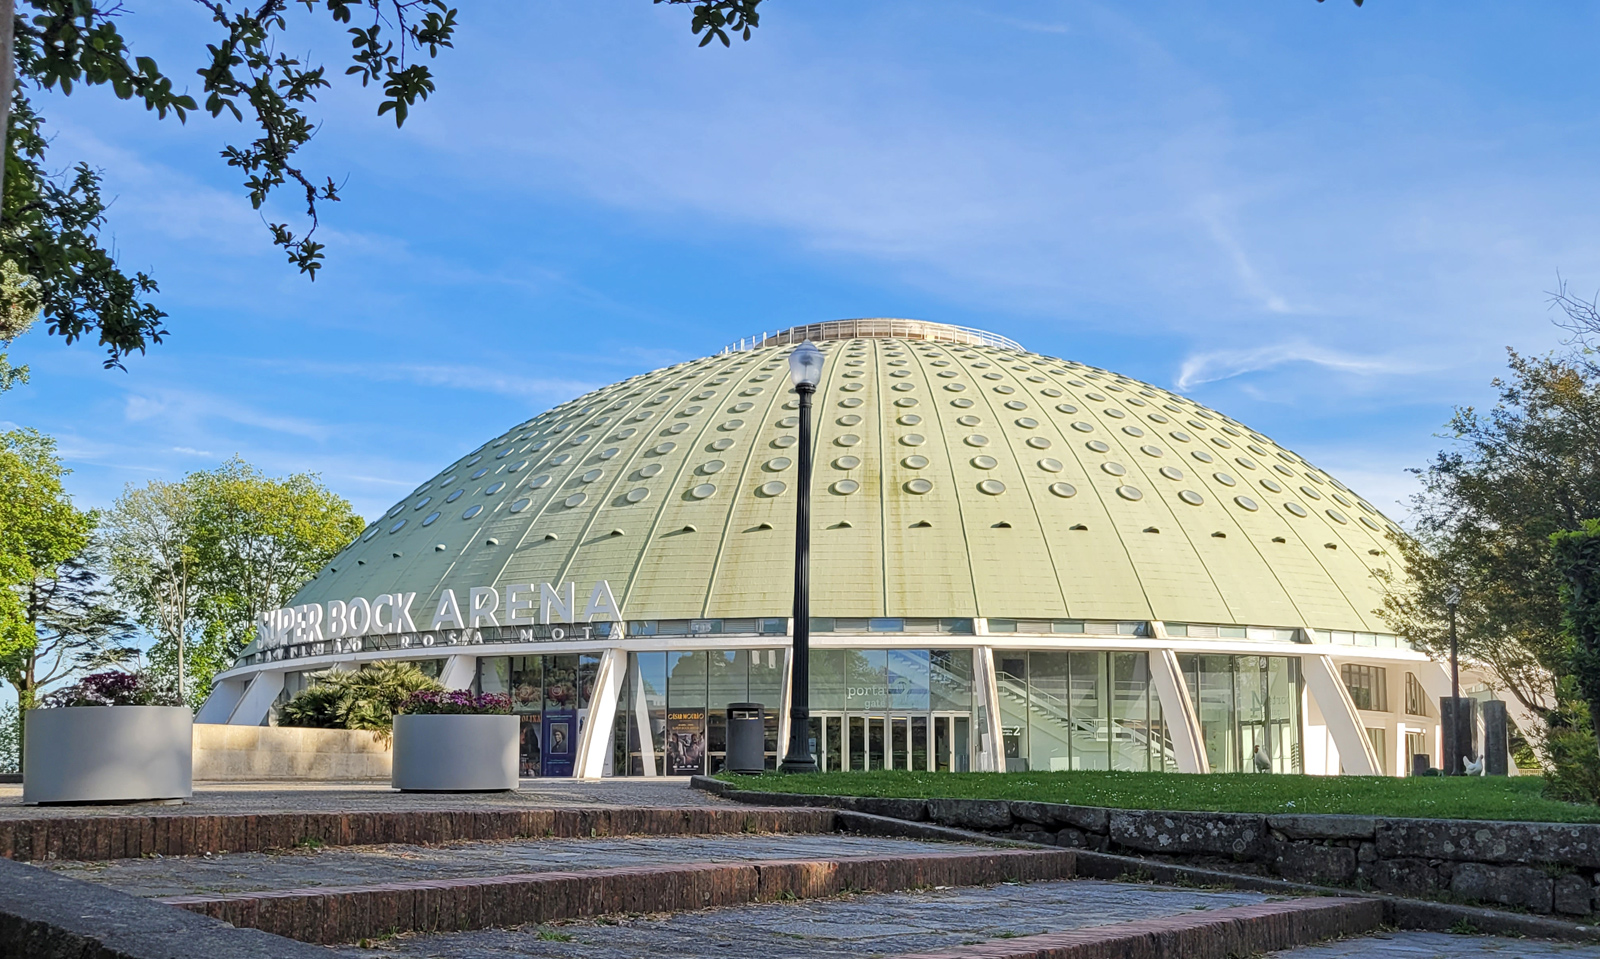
x,y
108,754
444,753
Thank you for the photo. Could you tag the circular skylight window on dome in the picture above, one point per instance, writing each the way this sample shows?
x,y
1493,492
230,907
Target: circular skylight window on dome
x,y
919,486
850,387
910,419
1027,422
1338,517
561,460
1152,450
1130,493
703,491
985,462
913,439
396,510
575,500
1050,465
1082,427
992,487
1016,405
961,403
495,488
373,531
848,439
1098,446
778,464
423,502
428,520
845,487
773,488
517,466
592,475
731,425
1038,442
915,462
520,505
1172,472
1191,497
1066,408
397,527
472,511
1133,431
906,402
1369,524
454,496
849,403
969,420
722,444
849,419
1272,485
784,442
637,495
1115,469
955,387
1063,490
1224,479
1296,509
977,439
1246,502
1202,456
1310,493
677,428
711,466
649,470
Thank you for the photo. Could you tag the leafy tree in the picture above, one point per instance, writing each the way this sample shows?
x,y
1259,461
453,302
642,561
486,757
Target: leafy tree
x,y
366,698
51,222
1516,473
40,531
77,628
198,559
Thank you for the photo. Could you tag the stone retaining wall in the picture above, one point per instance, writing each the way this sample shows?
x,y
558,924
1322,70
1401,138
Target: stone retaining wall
x,y
1541,867
287,753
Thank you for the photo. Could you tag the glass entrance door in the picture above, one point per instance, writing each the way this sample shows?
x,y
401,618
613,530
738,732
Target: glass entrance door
x,y
936,742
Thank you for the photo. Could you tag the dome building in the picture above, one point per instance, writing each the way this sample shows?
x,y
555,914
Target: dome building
x,y
1018,562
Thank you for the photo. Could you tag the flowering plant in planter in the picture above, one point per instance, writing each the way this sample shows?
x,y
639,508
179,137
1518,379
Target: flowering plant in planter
x,y
455,702
111,688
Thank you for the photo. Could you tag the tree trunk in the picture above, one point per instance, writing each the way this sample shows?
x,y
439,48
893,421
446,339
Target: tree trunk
x,y
8,76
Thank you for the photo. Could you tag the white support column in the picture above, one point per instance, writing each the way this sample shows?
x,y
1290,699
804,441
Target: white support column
x,y
224,699
459,672
991,743
641,722
1177,712
1339,712
257,699
595,741
785,700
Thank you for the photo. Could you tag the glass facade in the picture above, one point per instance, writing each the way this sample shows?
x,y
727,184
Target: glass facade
x,y
892,709
551,693
672,712
1249,710
1063,710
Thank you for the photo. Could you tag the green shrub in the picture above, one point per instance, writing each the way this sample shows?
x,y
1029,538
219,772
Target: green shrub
x,y
364,699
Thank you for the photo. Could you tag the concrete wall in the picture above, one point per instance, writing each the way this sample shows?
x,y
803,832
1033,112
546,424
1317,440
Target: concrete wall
x,y
252,753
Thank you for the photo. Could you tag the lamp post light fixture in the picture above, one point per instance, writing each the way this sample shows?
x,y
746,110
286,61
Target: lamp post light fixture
x,y
1452,732
805,369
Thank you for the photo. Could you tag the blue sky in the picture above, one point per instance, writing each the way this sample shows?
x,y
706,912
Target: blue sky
x,y
1328,222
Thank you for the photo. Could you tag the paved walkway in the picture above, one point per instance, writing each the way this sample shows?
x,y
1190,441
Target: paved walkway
x,y
222,798
1441,945
884,924
361,865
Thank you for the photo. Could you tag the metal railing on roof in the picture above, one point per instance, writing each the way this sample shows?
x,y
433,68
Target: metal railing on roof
x,y
874,327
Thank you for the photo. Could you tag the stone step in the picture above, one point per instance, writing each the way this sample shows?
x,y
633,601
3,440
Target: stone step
x,y
180,834
1223,934
334,914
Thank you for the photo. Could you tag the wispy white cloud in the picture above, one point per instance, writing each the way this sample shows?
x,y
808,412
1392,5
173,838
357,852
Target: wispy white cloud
x,y
1213,365
175,409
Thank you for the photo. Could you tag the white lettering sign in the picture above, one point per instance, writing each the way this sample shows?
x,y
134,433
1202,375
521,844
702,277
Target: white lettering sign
x,y
344,622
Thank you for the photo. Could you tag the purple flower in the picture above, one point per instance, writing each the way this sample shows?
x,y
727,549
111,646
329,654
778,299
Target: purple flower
x,y
459,702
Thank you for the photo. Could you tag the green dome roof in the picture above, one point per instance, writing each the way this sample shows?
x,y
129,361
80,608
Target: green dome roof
x,y
956,475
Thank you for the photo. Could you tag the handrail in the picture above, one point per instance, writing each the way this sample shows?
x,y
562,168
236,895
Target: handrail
x,y
876,326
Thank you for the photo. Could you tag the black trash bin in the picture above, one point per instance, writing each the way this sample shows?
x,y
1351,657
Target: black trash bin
x,y
747,738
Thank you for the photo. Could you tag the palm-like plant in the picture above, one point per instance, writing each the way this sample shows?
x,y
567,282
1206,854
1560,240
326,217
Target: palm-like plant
x,y
364,699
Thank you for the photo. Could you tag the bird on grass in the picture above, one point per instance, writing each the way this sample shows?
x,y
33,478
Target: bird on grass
x,y
1475,766
1262,762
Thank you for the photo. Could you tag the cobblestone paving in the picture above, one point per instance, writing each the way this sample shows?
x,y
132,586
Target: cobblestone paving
x,y
364,865
1440,945
224,798
875,925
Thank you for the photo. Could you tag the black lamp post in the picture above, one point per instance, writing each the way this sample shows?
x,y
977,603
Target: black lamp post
x,y
805,369
1452,731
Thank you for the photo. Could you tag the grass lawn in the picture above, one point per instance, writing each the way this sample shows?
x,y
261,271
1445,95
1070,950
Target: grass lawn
x,y
1467,797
